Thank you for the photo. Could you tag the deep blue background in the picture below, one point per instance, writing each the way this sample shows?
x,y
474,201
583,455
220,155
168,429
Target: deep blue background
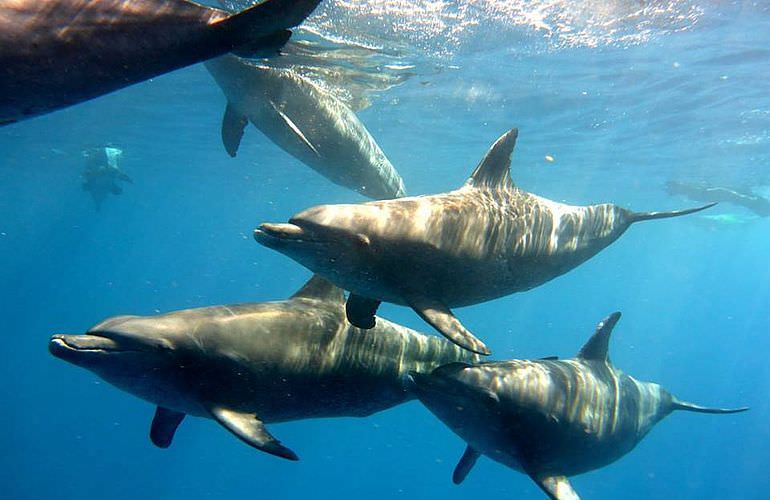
x,y
619,120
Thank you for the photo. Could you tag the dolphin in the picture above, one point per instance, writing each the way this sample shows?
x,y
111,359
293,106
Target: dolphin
x,y
548,418
56,53
306,121
707,193
251,364
483,241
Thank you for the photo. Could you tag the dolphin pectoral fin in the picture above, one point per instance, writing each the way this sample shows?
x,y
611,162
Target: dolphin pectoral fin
x,y
361,310
556,487
464,466
164,426
441,318
116,190
233,125
252,431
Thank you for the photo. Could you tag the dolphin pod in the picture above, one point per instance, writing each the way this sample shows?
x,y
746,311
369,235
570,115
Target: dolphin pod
x,y
548,418
306,121
248,365
56,53
319,354
485,240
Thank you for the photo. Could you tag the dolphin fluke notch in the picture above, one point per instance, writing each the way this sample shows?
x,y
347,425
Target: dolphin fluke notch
x,y
640,216
684,405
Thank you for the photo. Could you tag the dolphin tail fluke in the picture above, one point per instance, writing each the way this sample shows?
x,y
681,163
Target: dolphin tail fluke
x,y
640,216
684,405
264,20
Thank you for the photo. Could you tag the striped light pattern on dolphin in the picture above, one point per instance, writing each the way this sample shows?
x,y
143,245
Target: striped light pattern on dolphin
x,y
485,240
548,418
247,365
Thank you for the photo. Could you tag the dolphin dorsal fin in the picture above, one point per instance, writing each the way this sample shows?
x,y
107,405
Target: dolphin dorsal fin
x,y
596,347
320,288
494,171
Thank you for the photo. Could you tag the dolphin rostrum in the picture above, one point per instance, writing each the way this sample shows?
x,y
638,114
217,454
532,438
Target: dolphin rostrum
x,y
483,241
56,53
548,418
306,121
250,364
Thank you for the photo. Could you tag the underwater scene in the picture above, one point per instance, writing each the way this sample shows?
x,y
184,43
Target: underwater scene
x,y
393,249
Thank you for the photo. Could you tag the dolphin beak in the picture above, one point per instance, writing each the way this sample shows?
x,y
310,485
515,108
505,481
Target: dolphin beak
x,y
61,343
78,349
270,233
96,342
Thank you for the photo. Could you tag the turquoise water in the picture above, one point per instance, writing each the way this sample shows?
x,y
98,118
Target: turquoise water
x,y
622,101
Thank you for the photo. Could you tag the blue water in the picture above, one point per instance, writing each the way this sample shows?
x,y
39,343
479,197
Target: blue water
x,y
688,100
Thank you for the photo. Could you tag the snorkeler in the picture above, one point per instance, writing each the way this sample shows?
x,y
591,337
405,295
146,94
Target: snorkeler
x,y
102,173
700,191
